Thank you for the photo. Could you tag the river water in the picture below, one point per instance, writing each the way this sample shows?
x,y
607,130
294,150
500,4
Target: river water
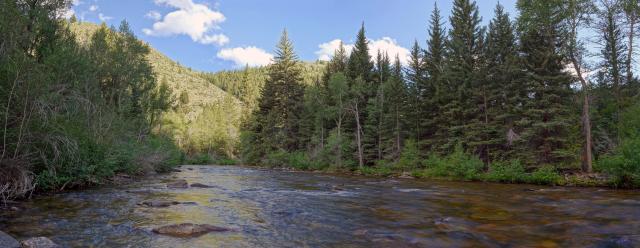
x,y
270,208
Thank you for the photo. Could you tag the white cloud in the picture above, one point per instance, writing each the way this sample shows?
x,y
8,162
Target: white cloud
x,y
195,20
104,18
93,8
153,15
328,49
242,56
384,45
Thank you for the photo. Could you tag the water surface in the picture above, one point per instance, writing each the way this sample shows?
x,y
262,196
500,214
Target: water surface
x,y
299,209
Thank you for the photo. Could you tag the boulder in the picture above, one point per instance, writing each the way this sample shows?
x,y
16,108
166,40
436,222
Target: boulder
x,y
38,242
7,241
158,203
180,184
199,185
188,230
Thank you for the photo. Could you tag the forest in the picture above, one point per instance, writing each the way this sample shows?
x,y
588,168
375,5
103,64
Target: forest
x,y
546,97
75,114
522,100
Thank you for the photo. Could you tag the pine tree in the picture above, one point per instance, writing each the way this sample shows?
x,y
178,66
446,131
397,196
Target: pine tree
x,y
435,122
547,117
502,89
394,112
464,49
281,102
359,71
416,80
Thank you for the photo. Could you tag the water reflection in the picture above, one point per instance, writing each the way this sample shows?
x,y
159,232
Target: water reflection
x,y
284,209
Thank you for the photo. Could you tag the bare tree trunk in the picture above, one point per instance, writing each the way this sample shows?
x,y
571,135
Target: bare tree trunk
x,y
632,23
587,156
399,149
339,153
358,136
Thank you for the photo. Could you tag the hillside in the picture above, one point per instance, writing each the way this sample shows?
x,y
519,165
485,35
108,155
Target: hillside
x,y
210,106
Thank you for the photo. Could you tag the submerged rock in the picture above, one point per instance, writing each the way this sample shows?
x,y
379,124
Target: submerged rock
x,y
199,185
7,241
38,242
159,203
180,184
189,230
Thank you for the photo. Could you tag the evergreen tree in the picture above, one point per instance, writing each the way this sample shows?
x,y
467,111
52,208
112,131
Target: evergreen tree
x,y
416,81
464,49
281,102
435,124
503,92
547,117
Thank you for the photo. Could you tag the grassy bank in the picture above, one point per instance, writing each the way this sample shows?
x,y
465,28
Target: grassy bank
x,y
461,166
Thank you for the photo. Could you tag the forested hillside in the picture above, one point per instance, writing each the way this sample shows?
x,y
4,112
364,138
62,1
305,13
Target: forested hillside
x,y
75,113
516,101
209,107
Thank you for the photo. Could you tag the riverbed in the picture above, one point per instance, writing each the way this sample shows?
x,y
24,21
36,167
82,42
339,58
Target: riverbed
x,y
268,208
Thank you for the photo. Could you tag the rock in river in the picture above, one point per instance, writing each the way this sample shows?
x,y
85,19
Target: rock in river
x,y
8,241
159,203
39,242
189,230
180,184
199,185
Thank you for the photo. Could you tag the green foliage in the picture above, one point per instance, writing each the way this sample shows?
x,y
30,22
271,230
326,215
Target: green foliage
x,y
624,164
410,157
457,165
545,175
506,172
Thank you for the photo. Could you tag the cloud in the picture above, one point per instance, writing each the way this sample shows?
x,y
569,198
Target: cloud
x,y
194,20
104,18
153,15
93,8
328,49
242,56
384,45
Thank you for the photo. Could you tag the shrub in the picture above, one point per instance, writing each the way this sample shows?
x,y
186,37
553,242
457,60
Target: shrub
x,y
410,156
458,164
545,175
508,172
624,166
296,160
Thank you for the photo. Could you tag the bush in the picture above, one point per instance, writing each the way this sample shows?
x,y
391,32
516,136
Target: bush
x,y
545,175
624,166
459,165
296,160
410,156
200,159
506,172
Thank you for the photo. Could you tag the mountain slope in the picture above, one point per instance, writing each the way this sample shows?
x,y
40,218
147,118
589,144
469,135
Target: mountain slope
x,y
211,106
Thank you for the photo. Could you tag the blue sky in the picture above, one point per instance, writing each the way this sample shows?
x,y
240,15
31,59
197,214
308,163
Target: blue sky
x,y
215,35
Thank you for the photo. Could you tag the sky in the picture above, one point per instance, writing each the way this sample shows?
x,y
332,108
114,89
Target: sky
x,y
210,35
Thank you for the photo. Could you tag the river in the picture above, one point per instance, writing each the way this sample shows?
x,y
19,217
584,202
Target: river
x,y
269,208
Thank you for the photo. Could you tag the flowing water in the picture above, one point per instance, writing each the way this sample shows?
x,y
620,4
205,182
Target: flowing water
x,y
298,209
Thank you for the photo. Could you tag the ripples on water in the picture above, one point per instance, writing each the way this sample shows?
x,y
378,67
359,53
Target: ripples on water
x,y
285,209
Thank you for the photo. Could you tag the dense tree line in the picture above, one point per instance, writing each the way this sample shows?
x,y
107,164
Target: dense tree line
x,y
517,93
73,113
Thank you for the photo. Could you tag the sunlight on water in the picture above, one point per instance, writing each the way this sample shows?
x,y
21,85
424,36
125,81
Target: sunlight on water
x,y
284,209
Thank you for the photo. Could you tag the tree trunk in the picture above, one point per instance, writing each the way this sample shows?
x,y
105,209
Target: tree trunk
x,y
587,156
632,23
358,136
